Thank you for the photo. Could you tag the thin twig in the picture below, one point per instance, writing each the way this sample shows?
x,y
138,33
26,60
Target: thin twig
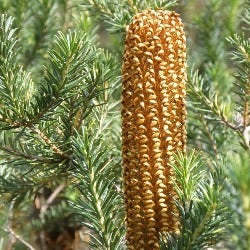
x,y
246,108
13,151
52,198
48,142
43,210
211,139
19,238
9,230
229,124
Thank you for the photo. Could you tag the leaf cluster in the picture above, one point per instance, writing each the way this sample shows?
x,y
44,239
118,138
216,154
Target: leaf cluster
x,y
100,193
201,204
119,14
218,89
37,129
52,133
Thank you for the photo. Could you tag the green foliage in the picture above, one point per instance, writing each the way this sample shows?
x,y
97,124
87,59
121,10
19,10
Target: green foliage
x,y
117,15
201,204
16,86
219,105
240,57
100,194
238,172
222,107
40,118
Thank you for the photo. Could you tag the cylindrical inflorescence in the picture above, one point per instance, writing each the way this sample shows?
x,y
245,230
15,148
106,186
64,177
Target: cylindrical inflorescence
x,y
153,123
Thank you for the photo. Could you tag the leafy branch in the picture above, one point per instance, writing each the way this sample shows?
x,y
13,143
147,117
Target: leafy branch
x,y
201,204
99,196
113,14
210,106
16,86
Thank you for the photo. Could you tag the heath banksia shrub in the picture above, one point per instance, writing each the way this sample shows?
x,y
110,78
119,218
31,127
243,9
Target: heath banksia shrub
x,y
153,123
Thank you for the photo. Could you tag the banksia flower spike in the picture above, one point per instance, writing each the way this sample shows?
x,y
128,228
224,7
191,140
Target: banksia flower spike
x,y
153,123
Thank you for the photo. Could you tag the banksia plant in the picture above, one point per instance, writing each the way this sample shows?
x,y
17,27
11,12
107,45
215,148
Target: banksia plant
x,y
62,185
153,123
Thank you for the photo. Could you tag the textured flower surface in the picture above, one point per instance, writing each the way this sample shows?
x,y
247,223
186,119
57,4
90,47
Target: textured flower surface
x,y
153,123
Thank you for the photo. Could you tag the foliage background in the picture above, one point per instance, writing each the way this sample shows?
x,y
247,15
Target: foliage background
x,y
60,92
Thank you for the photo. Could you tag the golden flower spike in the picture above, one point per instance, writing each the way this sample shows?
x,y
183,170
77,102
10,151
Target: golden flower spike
x,y
153,123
